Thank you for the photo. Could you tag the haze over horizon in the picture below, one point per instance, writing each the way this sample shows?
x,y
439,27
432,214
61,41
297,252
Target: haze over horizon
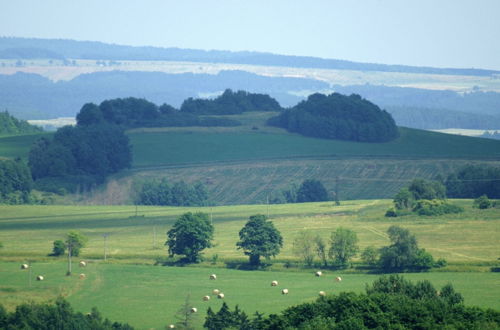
x,y
460,34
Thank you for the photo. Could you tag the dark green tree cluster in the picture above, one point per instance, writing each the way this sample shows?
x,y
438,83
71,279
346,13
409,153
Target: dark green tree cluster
x,y
310,190
389,303
10,125
403,253
231,103
259,238
473,181
483,202
191,234
337,116
134,112
177,194
423,198
82,151
59,315
15,182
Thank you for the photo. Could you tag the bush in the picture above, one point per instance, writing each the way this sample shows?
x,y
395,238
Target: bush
x,y
391,213
59,248
482,203
435,207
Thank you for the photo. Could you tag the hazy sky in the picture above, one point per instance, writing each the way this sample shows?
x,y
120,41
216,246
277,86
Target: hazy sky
x,y
441,33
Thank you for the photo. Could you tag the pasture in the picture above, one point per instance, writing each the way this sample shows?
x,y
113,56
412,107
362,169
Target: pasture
x,y
127,287
149,296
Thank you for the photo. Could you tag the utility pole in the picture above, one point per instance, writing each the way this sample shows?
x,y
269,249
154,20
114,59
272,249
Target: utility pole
x,y
154,236
70,245
337,200
105,235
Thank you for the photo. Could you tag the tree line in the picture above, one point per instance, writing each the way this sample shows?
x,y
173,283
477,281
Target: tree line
x,y
177,194
15,182
337,116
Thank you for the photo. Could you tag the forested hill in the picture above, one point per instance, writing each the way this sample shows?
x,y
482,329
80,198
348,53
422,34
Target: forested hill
x,y
27,48
338,116
10,125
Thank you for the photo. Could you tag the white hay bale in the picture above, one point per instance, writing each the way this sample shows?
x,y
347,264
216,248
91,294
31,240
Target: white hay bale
x,y
338,279
274,283
220,296
284,291
213,277
82,276
24,266
39,278
322,293
206,298
318,273
216,291
194,310
171,326
82,264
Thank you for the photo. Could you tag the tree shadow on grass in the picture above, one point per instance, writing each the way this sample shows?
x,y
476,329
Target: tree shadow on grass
x,y
245,265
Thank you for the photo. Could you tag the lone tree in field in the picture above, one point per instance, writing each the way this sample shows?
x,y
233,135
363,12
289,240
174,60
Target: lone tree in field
x,y
191,234
311,191
259,238
74,242
344,246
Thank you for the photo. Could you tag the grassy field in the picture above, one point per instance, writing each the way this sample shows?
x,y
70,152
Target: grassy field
x,y
149,296
17,145
152,149
28,231
127,287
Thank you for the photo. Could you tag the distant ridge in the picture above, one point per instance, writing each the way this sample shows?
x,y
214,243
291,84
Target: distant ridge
x,y
24,48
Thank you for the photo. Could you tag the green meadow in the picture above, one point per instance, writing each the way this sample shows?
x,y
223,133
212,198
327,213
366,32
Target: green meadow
x,y
149,296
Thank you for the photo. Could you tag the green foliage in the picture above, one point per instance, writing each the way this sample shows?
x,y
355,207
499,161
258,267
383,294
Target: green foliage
x,y
311,191
59,248
321,250
227,319
230,103
423,189
435,207
259,238
75,241
10,125
15,182
482,202
179,194
337,116
185,316
343,246
59,315
389,303
473,181
304,246
403,253
191,234
404,199
94,150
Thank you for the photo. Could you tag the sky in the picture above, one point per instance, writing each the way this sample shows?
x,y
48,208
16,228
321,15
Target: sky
x,y
438,33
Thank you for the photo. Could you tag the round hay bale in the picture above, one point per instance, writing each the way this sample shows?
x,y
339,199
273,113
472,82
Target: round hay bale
x,y
171,326
39,278
206,298
338,279
216,291
274,283
284,291
322,293
24,266
194,310
82,264
213,277
318,273
220,296
82,276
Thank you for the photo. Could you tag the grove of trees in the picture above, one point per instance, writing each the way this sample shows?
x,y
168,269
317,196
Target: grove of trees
x,y
422,197
337,116
177,194
15,182
310,190
10,125
473,181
